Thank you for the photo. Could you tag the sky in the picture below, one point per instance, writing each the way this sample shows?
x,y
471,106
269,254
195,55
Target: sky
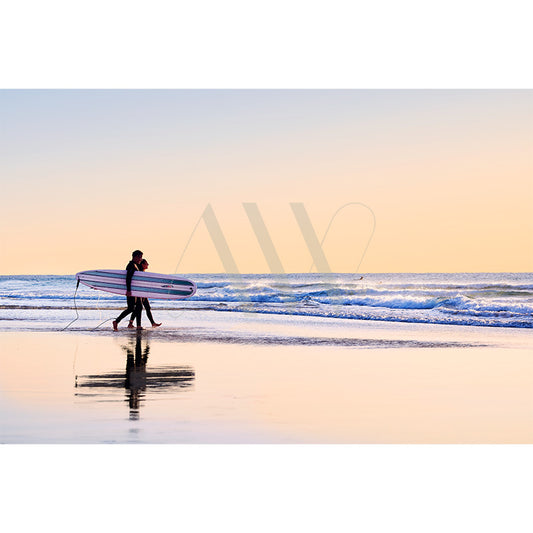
x,y
438,180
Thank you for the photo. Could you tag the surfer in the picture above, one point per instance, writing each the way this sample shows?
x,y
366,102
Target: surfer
x,y
134,303
142,267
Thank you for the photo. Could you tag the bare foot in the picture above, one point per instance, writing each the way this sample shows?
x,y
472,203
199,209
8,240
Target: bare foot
x,y
115,328
130,325
155,325
139,328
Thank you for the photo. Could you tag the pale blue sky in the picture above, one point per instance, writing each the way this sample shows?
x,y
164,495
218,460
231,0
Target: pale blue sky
x,y
439,167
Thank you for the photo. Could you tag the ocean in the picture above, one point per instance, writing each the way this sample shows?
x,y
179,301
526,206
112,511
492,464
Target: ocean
x,y
269,359
469,299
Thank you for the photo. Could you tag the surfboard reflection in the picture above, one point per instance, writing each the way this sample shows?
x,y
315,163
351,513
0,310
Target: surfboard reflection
x,y
137,379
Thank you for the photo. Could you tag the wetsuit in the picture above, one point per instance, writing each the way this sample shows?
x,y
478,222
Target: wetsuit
x,y
134,303
148,310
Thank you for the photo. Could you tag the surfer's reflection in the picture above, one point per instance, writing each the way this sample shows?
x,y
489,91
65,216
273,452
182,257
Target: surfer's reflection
x,y
136,374
138,378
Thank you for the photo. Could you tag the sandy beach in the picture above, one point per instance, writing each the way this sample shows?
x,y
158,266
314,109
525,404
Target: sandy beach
x,y
208,377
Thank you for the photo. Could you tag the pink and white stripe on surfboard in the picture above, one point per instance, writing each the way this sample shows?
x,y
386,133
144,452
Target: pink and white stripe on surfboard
x,y
143,284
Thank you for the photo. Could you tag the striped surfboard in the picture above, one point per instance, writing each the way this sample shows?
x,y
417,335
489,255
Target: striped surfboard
x,y
144,284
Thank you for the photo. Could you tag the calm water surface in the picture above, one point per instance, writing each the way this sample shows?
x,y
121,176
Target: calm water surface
x,y
236,378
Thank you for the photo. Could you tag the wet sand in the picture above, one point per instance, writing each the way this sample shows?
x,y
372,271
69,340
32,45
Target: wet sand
x,y
240,378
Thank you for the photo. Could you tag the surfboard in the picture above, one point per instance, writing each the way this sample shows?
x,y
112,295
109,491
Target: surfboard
x,y
144,284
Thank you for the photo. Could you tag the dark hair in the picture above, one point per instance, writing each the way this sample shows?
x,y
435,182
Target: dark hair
x,y
136,253
144,261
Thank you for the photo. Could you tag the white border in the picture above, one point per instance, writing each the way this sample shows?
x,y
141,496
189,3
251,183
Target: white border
x,y
289,43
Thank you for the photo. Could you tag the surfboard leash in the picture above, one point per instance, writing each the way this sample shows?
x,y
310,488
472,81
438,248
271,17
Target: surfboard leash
x,y
75,307
102,323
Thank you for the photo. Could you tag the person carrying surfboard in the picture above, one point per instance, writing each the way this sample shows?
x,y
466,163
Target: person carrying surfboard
x,y
134,303
142,267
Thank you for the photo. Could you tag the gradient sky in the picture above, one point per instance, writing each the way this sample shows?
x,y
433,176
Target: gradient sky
x,y
87,176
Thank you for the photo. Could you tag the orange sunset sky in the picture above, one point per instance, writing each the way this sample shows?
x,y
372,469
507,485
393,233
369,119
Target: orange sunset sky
x,y
89,175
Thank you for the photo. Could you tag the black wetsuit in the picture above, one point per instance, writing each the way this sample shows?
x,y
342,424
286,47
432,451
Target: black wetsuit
x,y
134,303
148,310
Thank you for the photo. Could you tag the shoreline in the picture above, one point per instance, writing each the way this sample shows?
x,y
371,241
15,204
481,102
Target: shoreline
x,y
267,379
91,315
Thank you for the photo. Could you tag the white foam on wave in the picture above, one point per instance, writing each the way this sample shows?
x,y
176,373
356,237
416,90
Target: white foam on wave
x,y
473,299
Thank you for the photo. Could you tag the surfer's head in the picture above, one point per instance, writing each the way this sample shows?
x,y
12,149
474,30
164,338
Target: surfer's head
x,y
137,256
144,264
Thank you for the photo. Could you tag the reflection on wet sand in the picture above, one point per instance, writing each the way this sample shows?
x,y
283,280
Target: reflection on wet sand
x,y
137,378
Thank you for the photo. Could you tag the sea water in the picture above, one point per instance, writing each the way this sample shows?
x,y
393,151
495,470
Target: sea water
x,y
271,359
471,299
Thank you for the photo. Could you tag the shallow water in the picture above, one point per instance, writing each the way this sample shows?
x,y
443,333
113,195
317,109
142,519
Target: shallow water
x,y
208,377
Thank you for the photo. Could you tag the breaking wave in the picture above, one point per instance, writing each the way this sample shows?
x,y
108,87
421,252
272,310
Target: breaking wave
x,y
500,300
